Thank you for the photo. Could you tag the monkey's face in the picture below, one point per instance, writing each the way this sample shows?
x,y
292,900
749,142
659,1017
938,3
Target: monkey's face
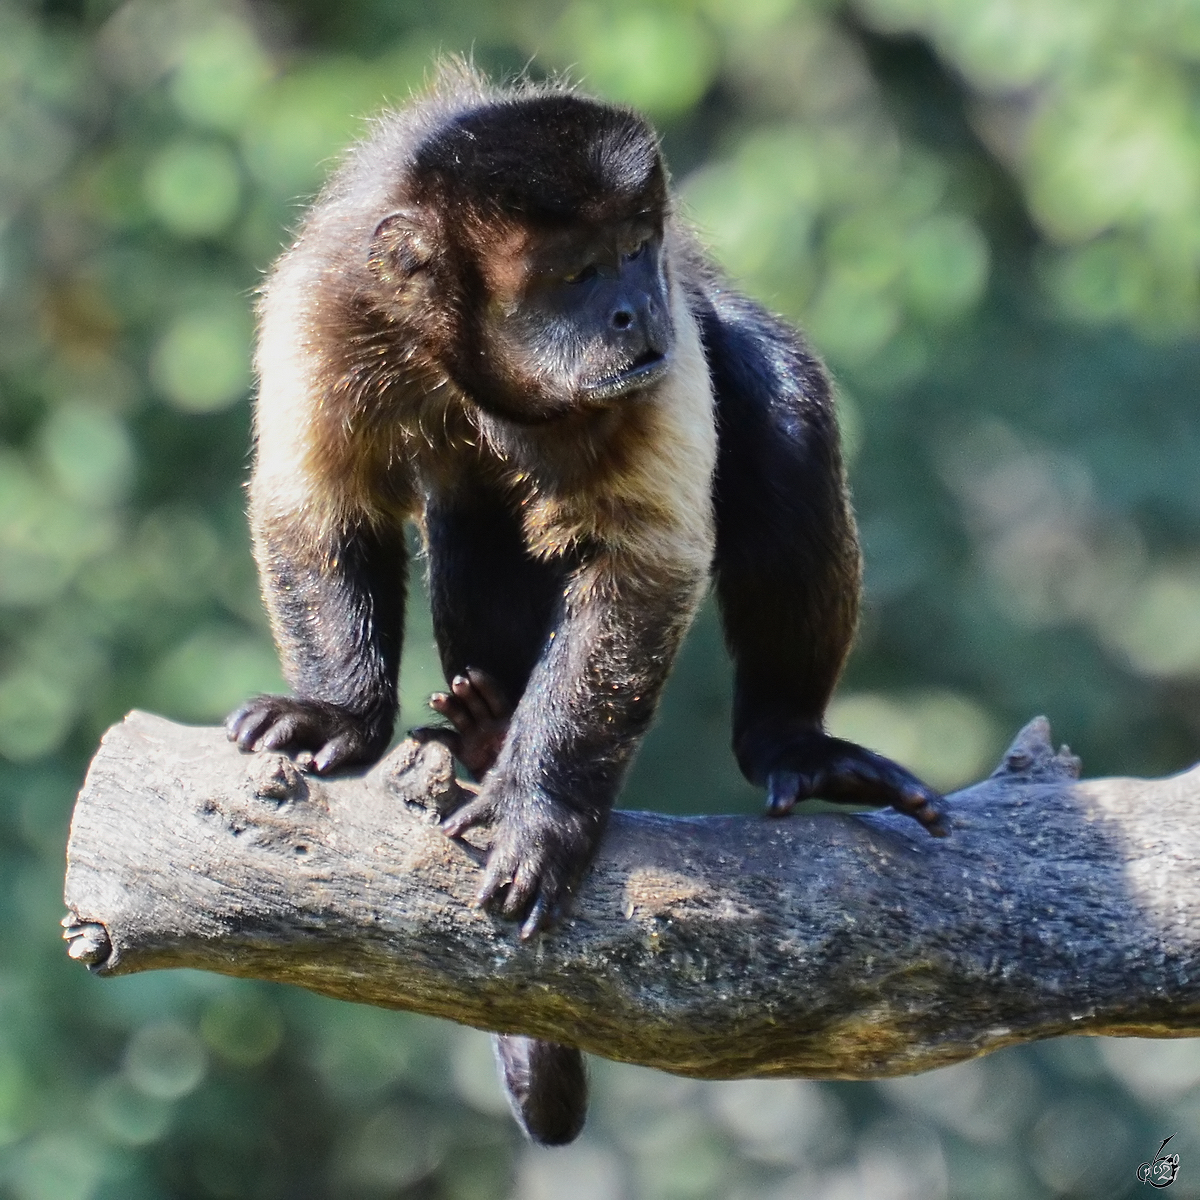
x,y
575,319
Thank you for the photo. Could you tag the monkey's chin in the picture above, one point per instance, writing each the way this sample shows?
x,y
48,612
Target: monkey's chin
x,y
650,369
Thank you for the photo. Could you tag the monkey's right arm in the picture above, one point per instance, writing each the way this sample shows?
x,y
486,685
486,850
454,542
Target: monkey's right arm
x,y
326,512
337,612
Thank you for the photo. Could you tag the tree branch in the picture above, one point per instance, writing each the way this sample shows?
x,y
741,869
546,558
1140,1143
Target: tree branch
x,y
826,945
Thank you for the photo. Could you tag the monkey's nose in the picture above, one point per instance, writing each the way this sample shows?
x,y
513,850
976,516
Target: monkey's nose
x,y
621,319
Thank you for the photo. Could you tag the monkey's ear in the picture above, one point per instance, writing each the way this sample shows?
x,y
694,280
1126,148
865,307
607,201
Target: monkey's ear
x,y
400,247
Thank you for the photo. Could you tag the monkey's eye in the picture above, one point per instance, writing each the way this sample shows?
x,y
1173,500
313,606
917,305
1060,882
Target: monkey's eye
x,y
636,252
582,275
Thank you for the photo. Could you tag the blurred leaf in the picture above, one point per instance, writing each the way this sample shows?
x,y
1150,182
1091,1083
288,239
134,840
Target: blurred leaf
x,y
945,738
212,672
193,187
164,1060
219,74
655,57
202,362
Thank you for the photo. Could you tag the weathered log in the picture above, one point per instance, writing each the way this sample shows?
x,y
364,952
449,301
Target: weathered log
x,y
825,945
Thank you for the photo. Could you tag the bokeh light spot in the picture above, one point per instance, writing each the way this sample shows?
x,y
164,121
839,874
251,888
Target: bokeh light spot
x,y
164,1060
658,59
394,1149
202,363
212,672
221,70
127,1115
946,738
242,1028
194,187
35,714
947,265
89,452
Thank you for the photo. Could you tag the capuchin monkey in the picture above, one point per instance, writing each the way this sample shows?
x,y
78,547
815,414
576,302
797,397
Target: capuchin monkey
x,y
494,325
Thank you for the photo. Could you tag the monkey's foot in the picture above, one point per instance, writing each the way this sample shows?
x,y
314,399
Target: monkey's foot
x,y
540,848
479,712
323,736
817,765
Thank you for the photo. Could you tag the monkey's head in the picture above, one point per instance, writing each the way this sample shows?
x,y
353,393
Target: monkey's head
x,y
528,251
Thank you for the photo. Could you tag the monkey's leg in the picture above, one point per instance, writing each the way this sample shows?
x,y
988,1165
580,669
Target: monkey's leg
x,y
492,602
492,608
788,569
337,612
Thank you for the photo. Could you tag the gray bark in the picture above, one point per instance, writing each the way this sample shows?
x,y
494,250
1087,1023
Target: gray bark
x,y
827,945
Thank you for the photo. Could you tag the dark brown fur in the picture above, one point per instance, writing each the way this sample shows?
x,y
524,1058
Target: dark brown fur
x,y
492,324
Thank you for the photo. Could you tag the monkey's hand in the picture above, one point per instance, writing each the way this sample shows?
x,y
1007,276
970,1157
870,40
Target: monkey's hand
x,y
800,766
325,736
540,849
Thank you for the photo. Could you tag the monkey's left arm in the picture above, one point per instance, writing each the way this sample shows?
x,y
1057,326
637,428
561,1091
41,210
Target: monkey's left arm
x,y
788,569
583,713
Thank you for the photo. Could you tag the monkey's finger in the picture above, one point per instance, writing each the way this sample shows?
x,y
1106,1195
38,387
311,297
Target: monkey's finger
x,y
522,890
248,724
287,731
498,876
233,722
542,916
335,752
475,812
466,692
491,692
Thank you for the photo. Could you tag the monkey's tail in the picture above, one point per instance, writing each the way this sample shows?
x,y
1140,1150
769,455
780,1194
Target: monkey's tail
x,y
546,1085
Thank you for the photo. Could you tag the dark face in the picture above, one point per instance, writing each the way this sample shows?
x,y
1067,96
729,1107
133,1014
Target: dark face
x,y
576,319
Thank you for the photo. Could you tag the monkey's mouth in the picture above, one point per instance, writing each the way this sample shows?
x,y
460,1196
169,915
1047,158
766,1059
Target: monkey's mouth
x,y
643,372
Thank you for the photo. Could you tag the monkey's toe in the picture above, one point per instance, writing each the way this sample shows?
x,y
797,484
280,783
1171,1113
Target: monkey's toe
x,y
784,790
477,709
920,803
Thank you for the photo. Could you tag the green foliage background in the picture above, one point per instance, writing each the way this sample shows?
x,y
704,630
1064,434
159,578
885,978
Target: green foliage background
x,y
986,213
